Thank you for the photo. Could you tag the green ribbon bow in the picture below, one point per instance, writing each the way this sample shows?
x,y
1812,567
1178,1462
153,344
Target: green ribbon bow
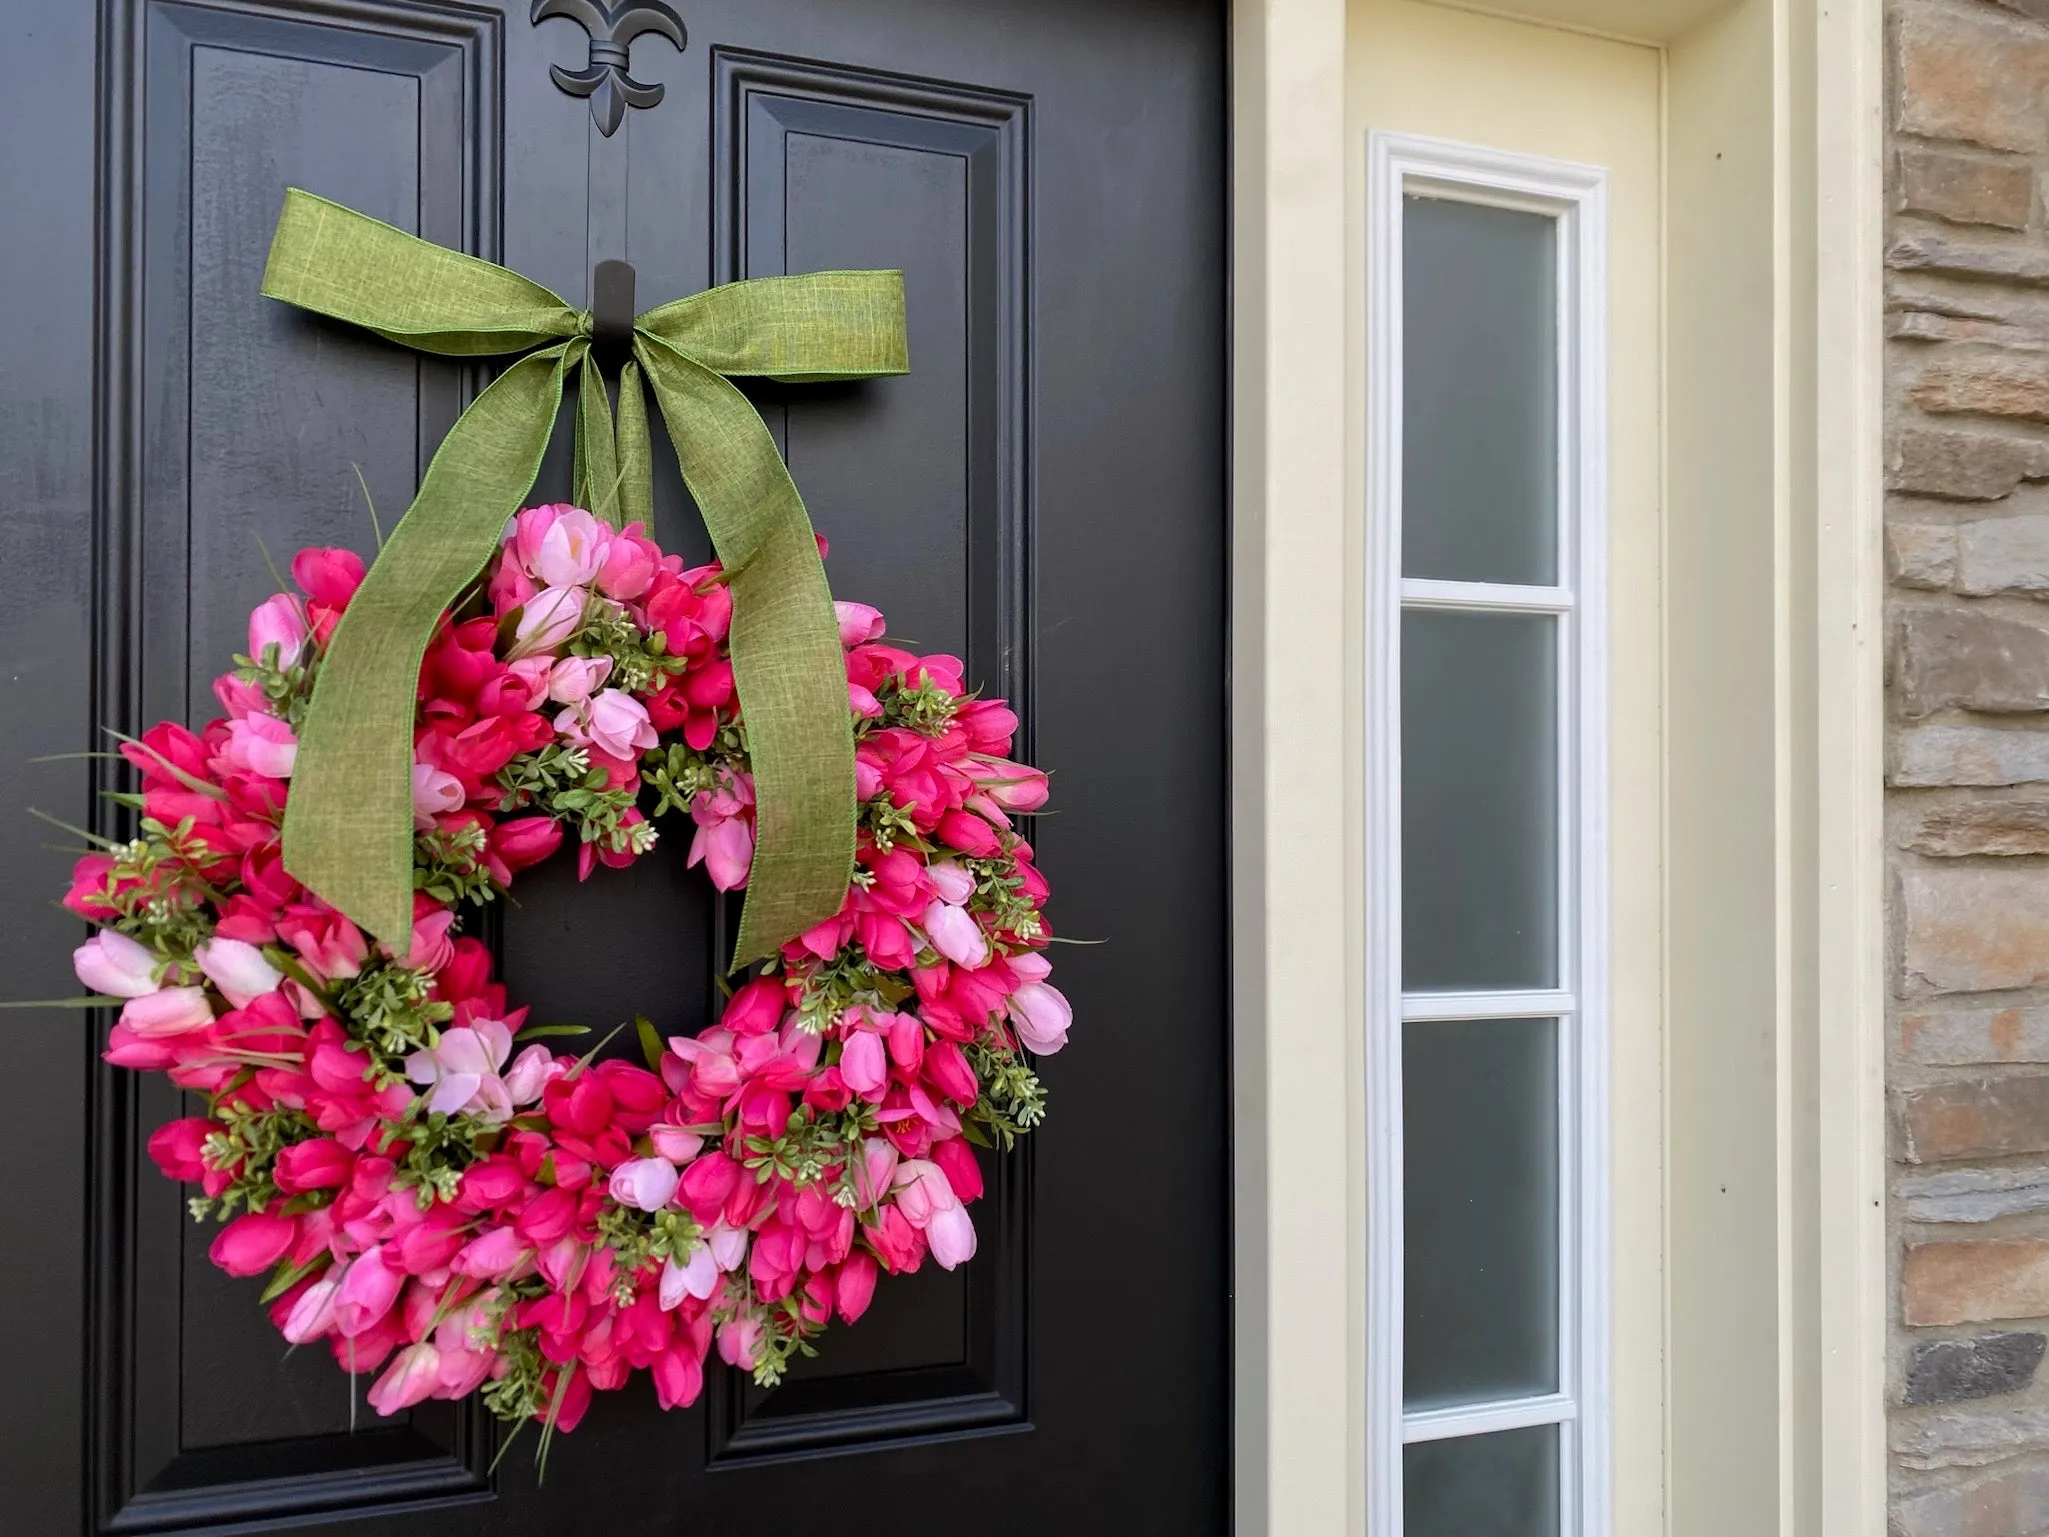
x,y
348,832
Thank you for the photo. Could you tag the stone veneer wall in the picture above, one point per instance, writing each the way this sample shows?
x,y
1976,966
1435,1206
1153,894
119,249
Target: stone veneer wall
x,y
1967,543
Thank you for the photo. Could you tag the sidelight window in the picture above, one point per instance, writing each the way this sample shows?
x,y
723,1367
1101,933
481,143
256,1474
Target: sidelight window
x,y
1487,1107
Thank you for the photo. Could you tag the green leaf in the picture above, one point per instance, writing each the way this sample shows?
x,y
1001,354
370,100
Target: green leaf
x,y
651,1045
536,1032
288,1276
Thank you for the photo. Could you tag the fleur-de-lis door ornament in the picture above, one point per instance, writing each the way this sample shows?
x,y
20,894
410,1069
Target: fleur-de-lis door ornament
x,y
612,25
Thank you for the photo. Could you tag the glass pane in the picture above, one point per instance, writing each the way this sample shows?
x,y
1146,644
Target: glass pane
x,y
1479,393
1479,801
1480,1210
1500,1485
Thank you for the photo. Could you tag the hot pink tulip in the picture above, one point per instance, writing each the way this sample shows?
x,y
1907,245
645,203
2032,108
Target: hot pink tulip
x,y
171,1011
367,1292
963,1171
237,969
277,623
179,1147
630,565
969,833
956,935
328,576
253,1242
319,1164
854,1284
525,841
112,963
493,1256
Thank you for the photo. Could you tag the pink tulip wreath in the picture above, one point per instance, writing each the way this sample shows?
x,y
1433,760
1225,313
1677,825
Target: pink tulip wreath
x,y
448,1202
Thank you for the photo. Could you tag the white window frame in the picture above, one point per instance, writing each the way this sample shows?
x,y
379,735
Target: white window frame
x,y
1575,196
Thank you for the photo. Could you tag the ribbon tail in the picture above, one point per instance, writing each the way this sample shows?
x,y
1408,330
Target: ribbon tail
x,y
596,483
636,452
788,667
348,833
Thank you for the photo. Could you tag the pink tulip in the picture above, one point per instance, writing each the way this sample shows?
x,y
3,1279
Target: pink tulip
x,y
172,1011
277,623
411,1377
864,1064
313,1314
740,1341
546,621
630,566
262,745
253,1243
859,623
1013,786
645,1184
955,935
969,833
493,1256
572,552
726,849
127,1049
436,793
728,1246
239,698
619,725
1041,1016
367,1292
112,963
678,1144
572,679
854,1284
237,969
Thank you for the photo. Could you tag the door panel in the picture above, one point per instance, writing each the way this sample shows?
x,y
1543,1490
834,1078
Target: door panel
x,y
1042,495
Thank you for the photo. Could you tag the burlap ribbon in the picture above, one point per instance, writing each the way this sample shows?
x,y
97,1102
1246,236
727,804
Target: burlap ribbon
x,y
348,826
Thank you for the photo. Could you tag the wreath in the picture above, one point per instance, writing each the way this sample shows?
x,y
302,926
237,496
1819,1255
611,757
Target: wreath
x,y
435,1192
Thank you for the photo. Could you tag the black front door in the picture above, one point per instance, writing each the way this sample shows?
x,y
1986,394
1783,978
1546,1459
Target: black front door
x,y
1043,494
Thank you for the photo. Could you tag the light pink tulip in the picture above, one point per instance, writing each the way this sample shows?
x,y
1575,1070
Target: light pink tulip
x,y
413,1374
116,965
696,1277
237,969
313,1314
572,551
262,745
463,1072
859,623
436,793
727,1245
546,621
676,1143
955,935
1030,966
645,1184
952,1236
619,724
953,883
1041,1016
740,1341
168,1012
277,622
572,679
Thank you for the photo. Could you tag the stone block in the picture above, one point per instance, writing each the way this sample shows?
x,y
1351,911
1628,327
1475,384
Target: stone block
x,y
1997,555
1968,755
1967,1438
1949,1371
1973,1195
1965,466
1963,1037
1966,189
1979,1281
2009,1504
1969,658
1972,77
1974,928
1996,827
1986,384
1979,1118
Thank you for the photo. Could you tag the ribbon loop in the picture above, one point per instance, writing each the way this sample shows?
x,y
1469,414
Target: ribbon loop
x,y
348,821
